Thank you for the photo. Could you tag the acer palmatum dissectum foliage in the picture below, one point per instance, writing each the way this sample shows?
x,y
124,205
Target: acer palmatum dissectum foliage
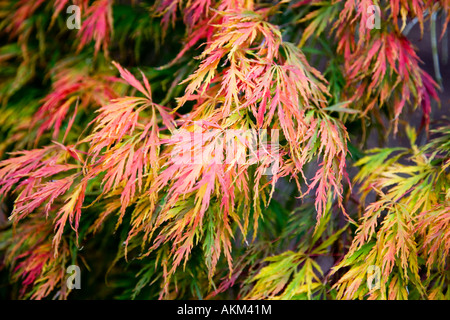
x,y
193,217
395,77
31,255
406,231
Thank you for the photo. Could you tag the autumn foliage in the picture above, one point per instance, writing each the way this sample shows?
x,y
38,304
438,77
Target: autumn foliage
x,y
127,148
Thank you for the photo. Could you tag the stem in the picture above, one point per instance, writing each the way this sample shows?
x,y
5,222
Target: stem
x,y
444,39
434,49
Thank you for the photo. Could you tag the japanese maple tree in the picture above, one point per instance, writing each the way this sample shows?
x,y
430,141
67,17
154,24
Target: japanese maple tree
x,y
218,149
